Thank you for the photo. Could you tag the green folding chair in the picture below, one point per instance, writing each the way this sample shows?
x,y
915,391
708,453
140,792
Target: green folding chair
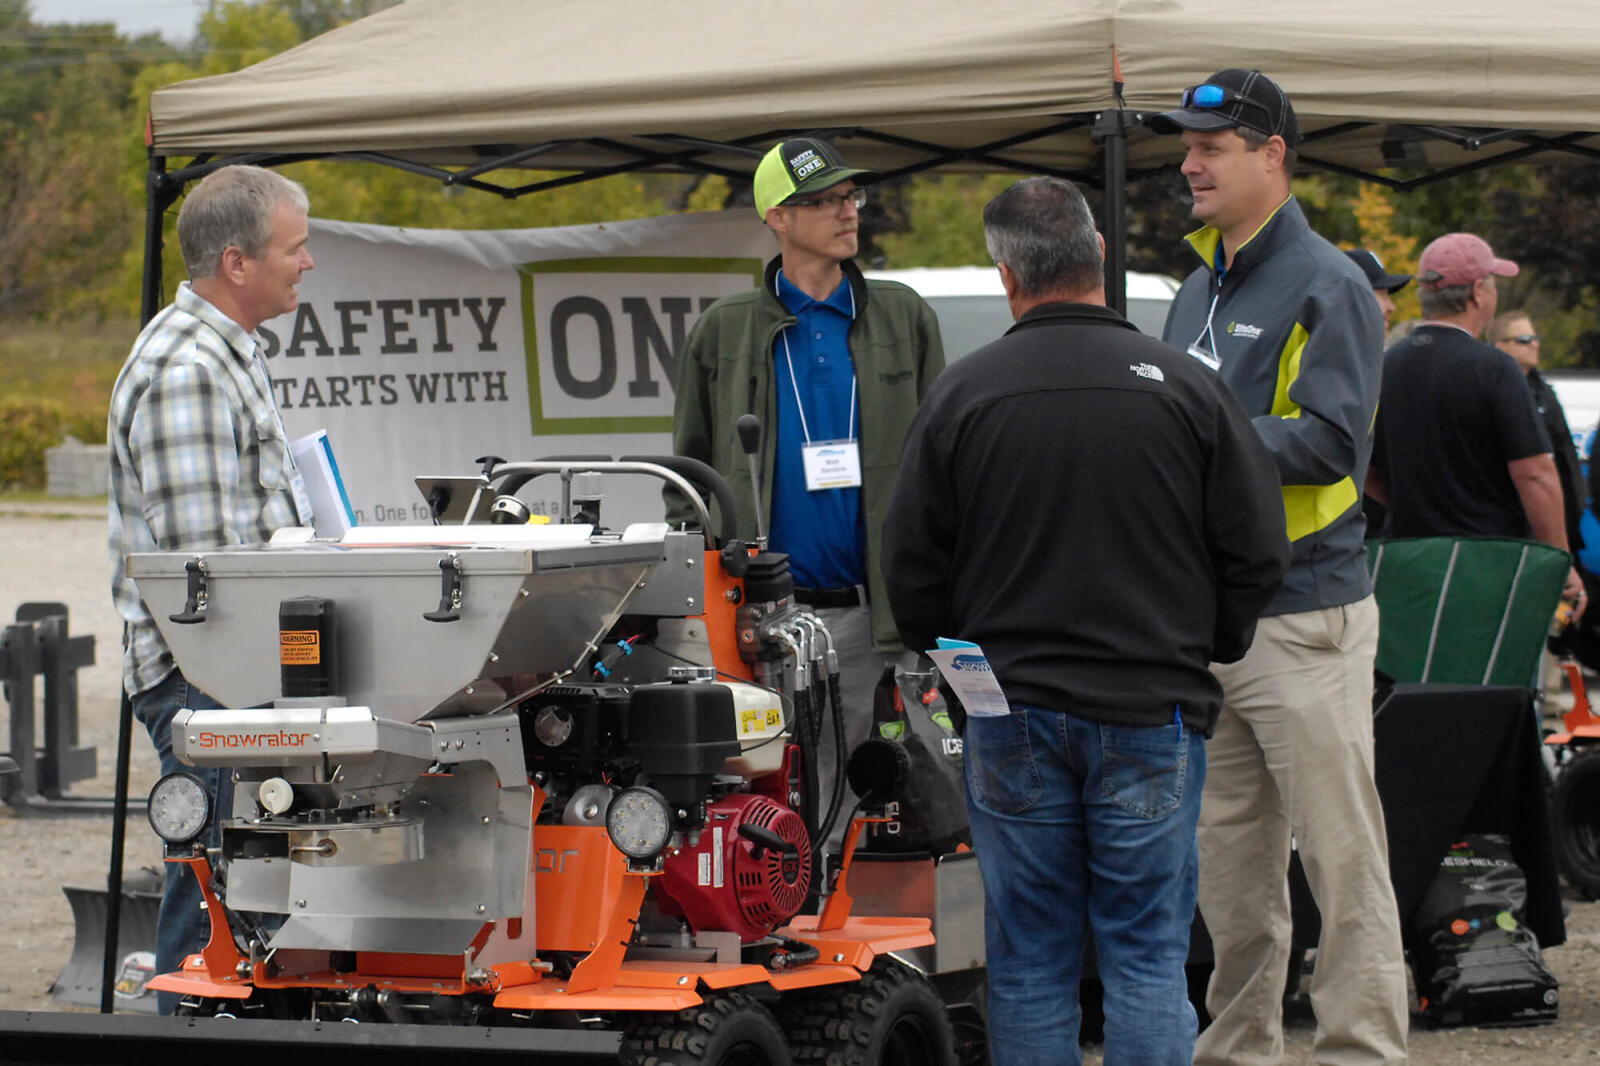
x,y
1465,610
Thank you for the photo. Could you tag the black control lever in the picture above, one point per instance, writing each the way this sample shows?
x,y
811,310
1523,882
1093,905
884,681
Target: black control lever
x,y
194,608
749,429
449,609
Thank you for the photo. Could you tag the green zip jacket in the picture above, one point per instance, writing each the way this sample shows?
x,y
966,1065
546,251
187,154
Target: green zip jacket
x,y
1300,341
726,371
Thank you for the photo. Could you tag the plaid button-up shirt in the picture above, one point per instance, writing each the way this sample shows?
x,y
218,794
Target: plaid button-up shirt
x,y
199,459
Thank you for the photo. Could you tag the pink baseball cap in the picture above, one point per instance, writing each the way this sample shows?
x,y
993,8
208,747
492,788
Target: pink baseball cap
x,y
1460,259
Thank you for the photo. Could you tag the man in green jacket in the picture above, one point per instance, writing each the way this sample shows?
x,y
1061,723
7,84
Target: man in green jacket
x,y
835,367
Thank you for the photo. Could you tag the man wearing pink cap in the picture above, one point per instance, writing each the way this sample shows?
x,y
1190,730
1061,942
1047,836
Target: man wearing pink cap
x,y
1460,449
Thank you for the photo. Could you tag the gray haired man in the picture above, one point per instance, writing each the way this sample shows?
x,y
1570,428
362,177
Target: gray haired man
x,y
199,458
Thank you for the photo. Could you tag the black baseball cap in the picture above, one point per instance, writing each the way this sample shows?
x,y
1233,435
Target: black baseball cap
x,y
1229,98
1372,267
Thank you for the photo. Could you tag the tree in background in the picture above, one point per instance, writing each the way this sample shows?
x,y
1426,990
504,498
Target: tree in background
x,y
1374,210
63,223
1550,224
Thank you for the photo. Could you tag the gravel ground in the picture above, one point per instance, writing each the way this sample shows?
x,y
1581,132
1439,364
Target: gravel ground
x,y
57,552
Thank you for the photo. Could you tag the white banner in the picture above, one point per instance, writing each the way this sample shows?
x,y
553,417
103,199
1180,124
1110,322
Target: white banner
x,y
421,350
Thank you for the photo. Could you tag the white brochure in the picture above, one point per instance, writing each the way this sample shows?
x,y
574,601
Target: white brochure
x,y
963,664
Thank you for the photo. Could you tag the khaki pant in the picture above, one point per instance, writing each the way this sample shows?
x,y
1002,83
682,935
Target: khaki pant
x,y
1292,756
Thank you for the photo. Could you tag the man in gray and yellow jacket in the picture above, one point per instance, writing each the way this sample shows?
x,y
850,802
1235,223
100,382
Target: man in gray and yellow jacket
x,y
829,362
1290,324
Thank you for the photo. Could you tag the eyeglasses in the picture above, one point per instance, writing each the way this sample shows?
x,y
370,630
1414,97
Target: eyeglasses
x,y
1522,338
1212,97
857,198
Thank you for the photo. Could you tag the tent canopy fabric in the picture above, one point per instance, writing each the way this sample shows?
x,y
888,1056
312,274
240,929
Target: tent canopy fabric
x,y
624,83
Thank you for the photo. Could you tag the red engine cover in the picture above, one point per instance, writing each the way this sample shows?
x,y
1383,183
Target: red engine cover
x,y
720,886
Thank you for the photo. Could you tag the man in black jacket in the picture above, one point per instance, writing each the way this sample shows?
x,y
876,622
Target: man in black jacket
x,y
1094,510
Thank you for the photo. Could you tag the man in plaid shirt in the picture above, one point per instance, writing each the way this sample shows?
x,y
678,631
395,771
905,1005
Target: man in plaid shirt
x,y
199,459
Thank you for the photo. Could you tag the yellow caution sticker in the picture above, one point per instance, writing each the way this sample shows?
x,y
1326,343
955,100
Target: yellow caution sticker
x,y
299,647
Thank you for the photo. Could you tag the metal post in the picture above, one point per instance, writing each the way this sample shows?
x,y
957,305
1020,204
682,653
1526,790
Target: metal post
x,y
119,836
158,197
21,646
1111,131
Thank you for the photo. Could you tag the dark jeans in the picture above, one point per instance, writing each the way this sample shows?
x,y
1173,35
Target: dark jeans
x,y
1083,828
182,927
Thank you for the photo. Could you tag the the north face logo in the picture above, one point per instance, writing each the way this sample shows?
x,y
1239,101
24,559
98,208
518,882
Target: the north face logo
x,y
1145,370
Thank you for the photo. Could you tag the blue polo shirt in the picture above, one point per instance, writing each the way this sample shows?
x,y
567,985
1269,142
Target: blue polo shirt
x,y
823,532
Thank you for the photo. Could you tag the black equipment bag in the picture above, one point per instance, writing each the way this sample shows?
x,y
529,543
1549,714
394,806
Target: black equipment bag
x,y
1476,963
931,816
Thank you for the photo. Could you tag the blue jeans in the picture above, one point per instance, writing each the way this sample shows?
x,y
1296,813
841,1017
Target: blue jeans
x,y
182,927
1082,827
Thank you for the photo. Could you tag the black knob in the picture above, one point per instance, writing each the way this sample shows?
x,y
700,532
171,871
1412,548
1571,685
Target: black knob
x,y
749,427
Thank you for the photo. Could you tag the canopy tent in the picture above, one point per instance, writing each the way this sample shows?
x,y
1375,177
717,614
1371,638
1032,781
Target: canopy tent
x,y
599,83
469,91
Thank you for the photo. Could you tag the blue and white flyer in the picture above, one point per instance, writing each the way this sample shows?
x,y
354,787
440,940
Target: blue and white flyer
x,y
966,669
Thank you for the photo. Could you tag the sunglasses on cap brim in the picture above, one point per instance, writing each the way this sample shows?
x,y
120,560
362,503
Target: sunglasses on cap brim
x,y
1215,97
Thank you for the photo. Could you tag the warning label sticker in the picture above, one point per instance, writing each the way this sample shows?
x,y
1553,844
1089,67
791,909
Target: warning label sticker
x,y
299,647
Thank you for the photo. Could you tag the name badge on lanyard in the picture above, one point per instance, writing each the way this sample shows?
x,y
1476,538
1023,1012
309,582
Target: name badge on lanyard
x,y
829,464
832,464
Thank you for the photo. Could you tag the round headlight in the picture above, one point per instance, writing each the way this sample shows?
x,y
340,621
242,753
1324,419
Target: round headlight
x,y
639,822
180,808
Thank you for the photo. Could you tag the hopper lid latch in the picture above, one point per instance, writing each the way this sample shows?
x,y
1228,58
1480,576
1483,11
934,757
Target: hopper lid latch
x,y
449,609
194,606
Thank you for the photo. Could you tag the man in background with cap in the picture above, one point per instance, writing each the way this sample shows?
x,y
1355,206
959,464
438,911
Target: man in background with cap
x,y
1384,284
828,361
1290,324
1460,449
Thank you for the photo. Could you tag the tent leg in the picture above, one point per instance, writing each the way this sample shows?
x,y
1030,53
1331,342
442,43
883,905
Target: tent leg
x,y
119,837
160,193
1111,130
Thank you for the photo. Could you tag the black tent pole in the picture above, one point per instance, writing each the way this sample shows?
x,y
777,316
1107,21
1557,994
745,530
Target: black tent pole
x,y
119,831
159,195
1112,132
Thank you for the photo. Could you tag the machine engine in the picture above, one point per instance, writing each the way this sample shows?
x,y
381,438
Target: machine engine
x,y
749,872
740,860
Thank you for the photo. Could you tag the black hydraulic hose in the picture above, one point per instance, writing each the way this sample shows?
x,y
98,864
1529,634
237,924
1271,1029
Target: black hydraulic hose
x,y
790,954
808,764
836,801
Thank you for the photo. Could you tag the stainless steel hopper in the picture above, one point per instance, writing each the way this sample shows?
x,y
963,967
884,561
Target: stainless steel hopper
x,y
433,621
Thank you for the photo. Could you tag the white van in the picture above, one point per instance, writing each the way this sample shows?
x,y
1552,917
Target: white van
x,y
972,306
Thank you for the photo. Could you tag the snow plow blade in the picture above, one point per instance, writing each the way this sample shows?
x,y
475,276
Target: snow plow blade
x,y
47,1038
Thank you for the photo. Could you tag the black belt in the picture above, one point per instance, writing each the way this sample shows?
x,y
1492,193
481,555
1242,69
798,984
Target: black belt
x,y
844,596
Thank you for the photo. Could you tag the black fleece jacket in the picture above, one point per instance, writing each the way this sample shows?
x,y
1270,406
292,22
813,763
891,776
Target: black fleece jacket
x,y
1096,511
